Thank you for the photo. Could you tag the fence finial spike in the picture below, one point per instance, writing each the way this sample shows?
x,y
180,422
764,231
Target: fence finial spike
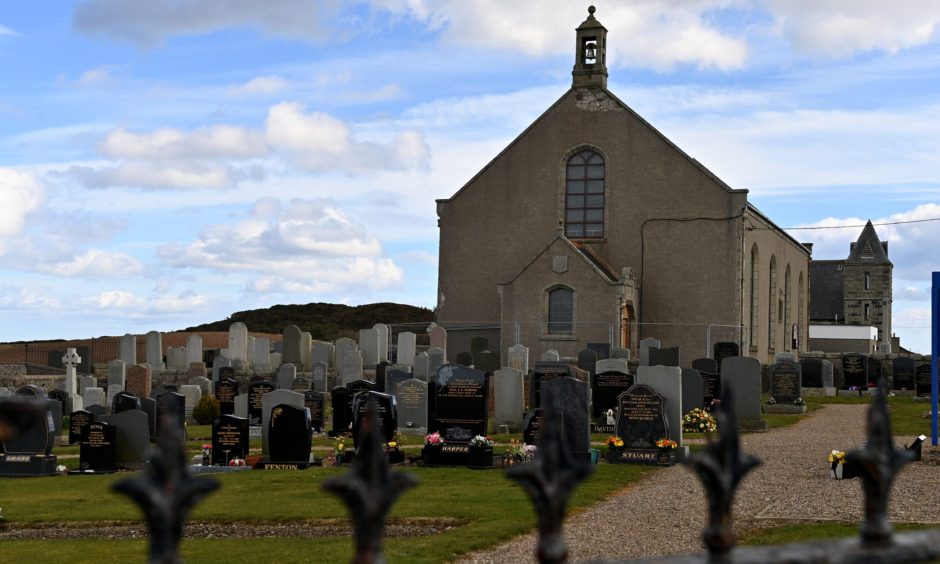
x,y
721,466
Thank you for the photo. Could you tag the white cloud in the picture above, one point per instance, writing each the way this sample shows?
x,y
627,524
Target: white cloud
x,y
842,27
28,298
5,31
317,141
20,194
260,86
307,246
166,143
146,23
157,303
649,33
911,294
95,263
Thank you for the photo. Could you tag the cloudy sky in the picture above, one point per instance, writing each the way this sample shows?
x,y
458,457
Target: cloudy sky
x,y
167,163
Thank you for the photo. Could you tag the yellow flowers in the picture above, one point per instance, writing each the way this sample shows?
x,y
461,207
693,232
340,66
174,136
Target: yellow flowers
x,y
836,456
666,443
615,442
392,444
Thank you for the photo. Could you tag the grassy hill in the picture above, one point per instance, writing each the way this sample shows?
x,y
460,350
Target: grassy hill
x,y
323,321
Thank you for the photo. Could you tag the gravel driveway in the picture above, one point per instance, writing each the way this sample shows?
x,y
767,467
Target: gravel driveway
x,y
664,513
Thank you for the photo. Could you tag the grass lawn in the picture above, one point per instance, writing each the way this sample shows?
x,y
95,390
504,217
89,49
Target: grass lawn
x,y
494,508
805,532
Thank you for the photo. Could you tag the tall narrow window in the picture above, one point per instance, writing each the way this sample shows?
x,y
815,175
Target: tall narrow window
x,y
787,303
560,310
867,311
771,302
755,294
584,196
868,280
801,304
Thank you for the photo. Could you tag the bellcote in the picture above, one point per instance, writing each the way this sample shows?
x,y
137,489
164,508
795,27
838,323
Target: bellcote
x,y
590,63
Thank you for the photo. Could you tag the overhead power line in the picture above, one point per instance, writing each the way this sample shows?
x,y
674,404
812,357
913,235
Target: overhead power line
x,y
858,226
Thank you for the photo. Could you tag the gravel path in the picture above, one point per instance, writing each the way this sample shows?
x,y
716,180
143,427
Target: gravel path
x,y
664,513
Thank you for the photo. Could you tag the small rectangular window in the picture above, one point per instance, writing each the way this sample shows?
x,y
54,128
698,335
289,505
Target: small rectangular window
x,y
868,281
867,311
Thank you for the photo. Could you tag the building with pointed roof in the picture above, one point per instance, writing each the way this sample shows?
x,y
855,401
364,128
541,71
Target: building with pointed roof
x,y
854,292
592,227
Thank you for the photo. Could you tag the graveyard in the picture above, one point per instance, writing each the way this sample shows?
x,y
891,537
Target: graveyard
x,y
280,416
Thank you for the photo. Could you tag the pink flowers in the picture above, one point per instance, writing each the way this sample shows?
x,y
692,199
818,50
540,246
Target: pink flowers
x,y
434,439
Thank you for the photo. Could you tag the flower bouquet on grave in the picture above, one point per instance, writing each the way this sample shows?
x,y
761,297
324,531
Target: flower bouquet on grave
x,y
698,420
666,445
480,441
799,401
236,462
519,452
337,454
206,454
838,468
393,452
614,443
434,440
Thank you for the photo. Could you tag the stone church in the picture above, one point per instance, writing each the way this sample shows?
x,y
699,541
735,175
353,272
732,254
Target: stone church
x,y
854,291
593,227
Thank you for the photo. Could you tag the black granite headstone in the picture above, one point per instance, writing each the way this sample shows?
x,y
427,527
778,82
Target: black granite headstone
x,y
542,371
664,357
478,345
705,365
229,438
785,379
61,397
811,369
641,419
693,390
393,377
225,372
35,429
78,420
289,435
855,370
381,371
315,402
339,397
711,388
461,403
531,423
31,391
465,359
149,406
923,377
724,349
607,386
486,361
602,350
98,450
567,399
587,361
903,369
874,372
124,401
172,406
353,388
257,389
225,391
386,410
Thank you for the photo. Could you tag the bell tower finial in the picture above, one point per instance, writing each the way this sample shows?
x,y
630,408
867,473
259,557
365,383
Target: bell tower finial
x,y
590,62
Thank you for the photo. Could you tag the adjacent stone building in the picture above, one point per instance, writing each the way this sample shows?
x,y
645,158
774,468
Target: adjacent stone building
x,y
593,227
854,292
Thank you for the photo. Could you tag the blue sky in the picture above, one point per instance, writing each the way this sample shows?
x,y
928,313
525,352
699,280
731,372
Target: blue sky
x,y
164,164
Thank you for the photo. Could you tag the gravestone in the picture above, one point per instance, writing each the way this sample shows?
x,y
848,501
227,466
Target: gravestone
x,y
531,424
98,447
380,385
567,399
94,396
519,358
393,378
139,380
465,359
315,402
811,369
874,372
198,369
238,345
171,410
339,397
405,352
923,377
61,397
693,390
437,336
288,434
705,365
855,370
261,355
827,375
132,437
641,417
291,353
193,349
225,391
542,372
421,366
149,406
344,344
117,374
124,401
354,388
436,359
645,345
229,439
587,360
667,381
369,346
461,410
301,384
386,410
127,352
113,391
191,396
350,366
664,357
711,388
383,332
219,364
256,391
31,391
724,349
78,421
742,375
319,376
508,393
620,352
321,352
903,369
487,361
478,345
286,374
155,351
551,355
412,398
612,379
97,410
306,351
601,349
785,382
268,403
204,384
85,382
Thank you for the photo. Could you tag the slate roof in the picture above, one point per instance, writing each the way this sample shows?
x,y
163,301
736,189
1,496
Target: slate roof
x,y
826,290
868,249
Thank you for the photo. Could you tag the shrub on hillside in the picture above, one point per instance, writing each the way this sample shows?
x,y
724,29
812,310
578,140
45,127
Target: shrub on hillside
x,y
206,410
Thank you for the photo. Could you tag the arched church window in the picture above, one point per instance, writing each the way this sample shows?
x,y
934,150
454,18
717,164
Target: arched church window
x,y
560,310
584,196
